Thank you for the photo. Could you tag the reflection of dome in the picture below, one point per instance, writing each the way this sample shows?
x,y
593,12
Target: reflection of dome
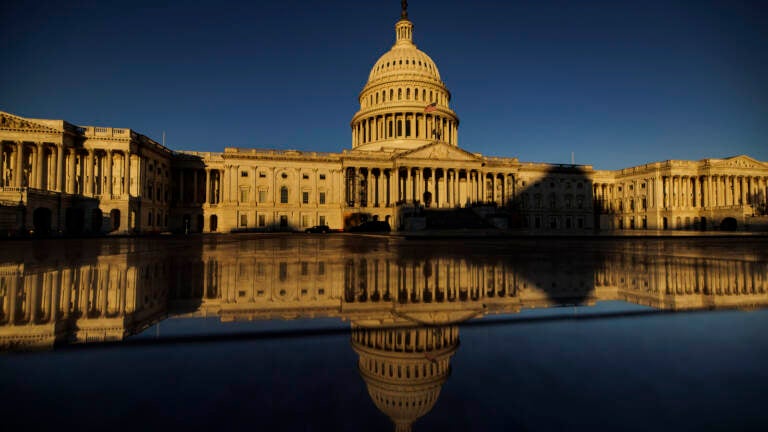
x,y
404,368
402,83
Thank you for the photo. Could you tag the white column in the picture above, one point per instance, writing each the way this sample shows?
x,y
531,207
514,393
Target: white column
x,y
59,168
89,173
126,173
18,172
110,181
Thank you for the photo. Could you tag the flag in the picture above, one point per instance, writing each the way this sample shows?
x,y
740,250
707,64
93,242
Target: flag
x,y
431,107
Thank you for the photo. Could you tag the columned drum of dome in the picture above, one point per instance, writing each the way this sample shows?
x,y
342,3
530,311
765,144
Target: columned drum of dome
x,y
405,104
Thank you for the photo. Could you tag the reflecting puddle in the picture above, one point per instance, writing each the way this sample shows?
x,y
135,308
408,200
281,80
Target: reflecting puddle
x,y
404,300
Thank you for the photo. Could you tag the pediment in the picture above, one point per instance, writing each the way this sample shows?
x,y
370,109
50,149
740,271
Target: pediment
x,y
12,122
439,151
741,161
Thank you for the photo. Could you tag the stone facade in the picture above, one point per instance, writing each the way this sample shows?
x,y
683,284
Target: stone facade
x,y
60,178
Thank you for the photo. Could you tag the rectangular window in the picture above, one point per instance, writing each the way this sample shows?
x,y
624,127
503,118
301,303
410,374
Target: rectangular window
x,y
261,269
244,195
243,220
322,220
262,220
283,271
321,268
243,173
305,197
322,198
304,268
304,221
305,176
262,196
322,176
284,195
262,174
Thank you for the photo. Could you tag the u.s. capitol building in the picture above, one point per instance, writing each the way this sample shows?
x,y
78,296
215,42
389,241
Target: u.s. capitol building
x,y
405,167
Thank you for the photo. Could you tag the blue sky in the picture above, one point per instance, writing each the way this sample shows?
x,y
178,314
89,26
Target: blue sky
x,y
619,83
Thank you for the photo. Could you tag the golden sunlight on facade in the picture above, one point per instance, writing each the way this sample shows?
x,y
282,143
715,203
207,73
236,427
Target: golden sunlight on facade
x,y
405,167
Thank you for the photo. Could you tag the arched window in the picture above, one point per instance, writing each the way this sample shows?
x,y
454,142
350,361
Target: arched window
x,y
377,98
399,128
423,94
415,94
407,94
283,195
399,94
389,135
391,94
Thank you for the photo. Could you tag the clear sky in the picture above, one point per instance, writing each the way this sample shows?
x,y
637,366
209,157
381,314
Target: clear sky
x,y
619,83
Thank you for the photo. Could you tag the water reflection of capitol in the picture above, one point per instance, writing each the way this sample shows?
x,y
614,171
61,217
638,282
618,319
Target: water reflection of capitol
x,y
404,300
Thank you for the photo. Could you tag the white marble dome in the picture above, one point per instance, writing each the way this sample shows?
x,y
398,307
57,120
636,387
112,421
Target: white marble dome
x,y
405,104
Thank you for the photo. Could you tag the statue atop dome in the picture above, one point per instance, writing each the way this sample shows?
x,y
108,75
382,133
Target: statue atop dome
x,y
404,13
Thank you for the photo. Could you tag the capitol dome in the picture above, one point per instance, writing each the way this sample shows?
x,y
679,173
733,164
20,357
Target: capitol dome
x,y
404,59
405,104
